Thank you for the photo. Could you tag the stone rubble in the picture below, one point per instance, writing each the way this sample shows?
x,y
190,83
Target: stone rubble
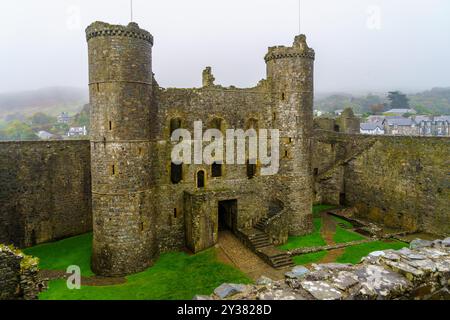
x,y
18,275
421,272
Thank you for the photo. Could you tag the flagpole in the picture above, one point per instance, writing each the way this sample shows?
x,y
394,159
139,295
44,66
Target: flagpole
x,y
131,8
299,17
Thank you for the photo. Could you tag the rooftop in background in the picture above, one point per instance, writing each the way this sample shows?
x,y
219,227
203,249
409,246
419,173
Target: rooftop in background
x,y
400,111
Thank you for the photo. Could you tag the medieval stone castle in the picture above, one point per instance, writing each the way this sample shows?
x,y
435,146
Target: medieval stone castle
x,y
123,185
142,203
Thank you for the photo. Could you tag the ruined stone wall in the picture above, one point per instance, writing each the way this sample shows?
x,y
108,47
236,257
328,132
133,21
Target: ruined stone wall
x,y
45,191
421,272
400,182
18,275
236,108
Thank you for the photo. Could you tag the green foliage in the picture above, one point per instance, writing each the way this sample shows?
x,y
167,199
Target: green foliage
x,y
435,101
432,102
175,276
354,254
309,258
83,118
342,101
61,254
41,119
18,131
312,240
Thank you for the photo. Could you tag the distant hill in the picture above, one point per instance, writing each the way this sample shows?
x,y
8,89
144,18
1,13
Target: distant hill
x,y
435,101
51,101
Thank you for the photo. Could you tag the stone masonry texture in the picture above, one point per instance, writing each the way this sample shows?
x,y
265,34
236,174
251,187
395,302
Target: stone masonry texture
x,y
121,184
399,182
419,273
45,191
138,211
18,275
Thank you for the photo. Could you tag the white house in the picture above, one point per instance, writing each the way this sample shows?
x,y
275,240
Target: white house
x,y
374,128
77,131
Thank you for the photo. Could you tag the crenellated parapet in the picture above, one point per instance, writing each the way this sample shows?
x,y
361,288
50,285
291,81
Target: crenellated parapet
x,y
299,49
101,29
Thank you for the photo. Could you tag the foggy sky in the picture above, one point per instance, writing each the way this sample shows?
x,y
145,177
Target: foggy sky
x,y
43,42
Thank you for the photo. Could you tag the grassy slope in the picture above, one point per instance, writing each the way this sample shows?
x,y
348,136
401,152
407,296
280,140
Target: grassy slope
x,y
354,254
61,254
175,276
309,258
344,236
312,240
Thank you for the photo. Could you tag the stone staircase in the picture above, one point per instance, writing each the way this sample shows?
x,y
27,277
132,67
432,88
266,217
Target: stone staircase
x,y
262,224
257,240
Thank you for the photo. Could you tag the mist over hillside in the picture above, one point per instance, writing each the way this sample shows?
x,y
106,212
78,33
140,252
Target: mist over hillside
x,y
51,101
435,101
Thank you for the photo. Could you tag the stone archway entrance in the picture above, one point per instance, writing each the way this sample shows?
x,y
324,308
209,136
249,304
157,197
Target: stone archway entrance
x,y
227,215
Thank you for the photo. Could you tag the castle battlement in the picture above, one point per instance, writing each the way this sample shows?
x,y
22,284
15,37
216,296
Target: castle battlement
x,y
299,49
132,30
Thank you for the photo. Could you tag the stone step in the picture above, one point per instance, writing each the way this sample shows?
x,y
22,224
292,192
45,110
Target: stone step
x,y
284,265
261,245
279,258
265,238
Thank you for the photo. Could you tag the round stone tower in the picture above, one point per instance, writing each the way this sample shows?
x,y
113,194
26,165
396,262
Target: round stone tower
x,y
120,86
290,73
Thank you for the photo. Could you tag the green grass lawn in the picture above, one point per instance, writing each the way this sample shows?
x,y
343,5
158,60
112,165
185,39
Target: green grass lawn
x,y
354,254
344,236
346,223
61,254
309,258
320,208
175,276
312,240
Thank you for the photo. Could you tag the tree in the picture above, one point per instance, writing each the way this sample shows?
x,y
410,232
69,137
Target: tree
x,y
377,108
41,119
398,100
17,131
83,118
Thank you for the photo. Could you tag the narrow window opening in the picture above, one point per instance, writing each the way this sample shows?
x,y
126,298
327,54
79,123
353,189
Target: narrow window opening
x,y
174,125
110,125
141,226
274,116
175,213
176,173
98,87
251,170
216,170
201,179
336,128
316,172
283,97
286,154
113,169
